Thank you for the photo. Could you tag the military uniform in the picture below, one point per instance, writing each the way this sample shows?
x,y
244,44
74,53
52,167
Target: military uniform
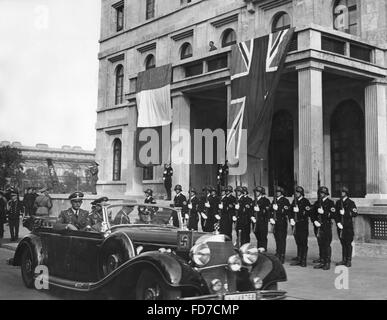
x,y
299,216
346,210
323,222
227,210
167,177
96,214
202,207
212,207
243,208
180,201
14,212
3,213
193,213
260,218
280,219
77,218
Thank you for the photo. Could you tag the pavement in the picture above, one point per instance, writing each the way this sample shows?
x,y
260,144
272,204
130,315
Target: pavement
x,y
366,280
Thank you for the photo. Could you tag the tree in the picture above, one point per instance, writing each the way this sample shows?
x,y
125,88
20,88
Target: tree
x,y
11,168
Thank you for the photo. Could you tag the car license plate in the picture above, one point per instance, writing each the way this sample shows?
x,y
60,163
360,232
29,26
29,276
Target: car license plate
x,y
241,296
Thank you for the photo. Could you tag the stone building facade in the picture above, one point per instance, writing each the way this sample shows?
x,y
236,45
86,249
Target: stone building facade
x,y
330,117
69,162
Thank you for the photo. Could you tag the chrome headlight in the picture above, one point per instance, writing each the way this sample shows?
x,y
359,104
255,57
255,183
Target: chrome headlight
x,y
249,254
235,263
200,254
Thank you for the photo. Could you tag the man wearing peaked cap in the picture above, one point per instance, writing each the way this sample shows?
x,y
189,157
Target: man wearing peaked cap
x,y
74,218
226,207
180,201
192,214
149,197
260,217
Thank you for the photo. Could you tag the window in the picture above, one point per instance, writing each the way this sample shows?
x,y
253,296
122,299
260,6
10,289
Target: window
x,y
281,22
150,62
219,62
345,16
193,69
119,16
229,38
147,174
186,51
119,85
332,45
117,151
361,52
150,9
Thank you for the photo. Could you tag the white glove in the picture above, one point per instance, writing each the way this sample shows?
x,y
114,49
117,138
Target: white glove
x,y
253,220
275,207
190,206
217,217
204,216
165,172
207,205
296,210
317,224
186,217
272,221
342,212
320,210
340,226
292,222
220,206
237,206
234,219
256,209
221,170
163,178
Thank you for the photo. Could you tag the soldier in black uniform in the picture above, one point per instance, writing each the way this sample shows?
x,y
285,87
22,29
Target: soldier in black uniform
x,y
149,197
299,220
3,213
96,215
260,218
180,201
15,210
322,214
211,210
222,174
167,177
193,210
74,218
346,210
202,206
243,209
227,209
279,220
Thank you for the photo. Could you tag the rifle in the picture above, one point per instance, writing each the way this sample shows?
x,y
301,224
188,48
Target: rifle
x,y
319,204
255,205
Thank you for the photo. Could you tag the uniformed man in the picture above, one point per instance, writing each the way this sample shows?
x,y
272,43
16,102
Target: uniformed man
x,y
322,214
227,210
180,201
96,214
243,209
202,206
167,178
260,218
3,213
299,219
346,210
222,174
15,210
149,197
211,210
279,220
74,218
193,213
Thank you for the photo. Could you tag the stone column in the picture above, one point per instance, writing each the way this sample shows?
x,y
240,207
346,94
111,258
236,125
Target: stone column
x,y
310,128
181,148
376,139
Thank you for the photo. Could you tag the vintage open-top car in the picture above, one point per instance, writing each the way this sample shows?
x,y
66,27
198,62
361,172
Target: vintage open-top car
x,y
139,252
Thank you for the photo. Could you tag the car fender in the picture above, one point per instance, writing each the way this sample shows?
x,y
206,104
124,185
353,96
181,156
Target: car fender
x,y
31,242
270,269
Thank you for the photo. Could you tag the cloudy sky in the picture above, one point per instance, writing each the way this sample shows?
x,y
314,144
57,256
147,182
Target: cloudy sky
x,y
49,71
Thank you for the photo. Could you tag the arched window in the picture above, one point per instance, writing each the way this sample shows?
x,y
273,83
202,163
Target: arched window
x,y
119,85
229,38
150,62
345,16
117,152
186,51
281,22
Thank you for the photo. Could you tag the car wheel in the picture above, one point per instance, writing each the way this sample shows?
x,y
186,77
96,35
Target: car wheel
x,y
150,286
111,263
27,268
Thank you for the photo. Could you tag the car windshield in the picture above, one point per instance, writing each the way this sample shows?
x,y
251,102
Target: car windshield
x,y
142,214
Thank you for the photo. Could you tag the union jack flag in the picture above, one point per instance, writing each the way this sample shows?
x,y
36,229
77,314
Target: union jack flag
x,y
256,67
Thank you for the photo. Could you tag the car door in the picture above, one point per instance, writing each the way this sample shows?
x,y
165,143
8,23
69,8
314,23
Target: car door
x,y
83,255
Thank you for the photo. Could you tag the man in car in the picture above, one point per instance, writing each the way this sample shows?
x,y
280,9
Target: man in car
x,y
74,218
149,197
96,215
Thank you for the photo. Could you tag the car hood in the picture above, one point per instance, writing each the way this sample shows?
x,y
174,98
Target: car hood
x,y
151,234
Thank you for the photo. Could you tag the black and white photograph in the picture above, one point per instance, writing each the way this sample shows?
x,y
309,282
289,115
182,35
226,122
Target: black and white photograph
x,y
201,152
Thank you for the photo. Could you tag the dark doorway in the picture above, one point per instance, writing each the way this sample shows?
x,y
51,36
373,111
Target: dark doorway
x,y
281,152
348,149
